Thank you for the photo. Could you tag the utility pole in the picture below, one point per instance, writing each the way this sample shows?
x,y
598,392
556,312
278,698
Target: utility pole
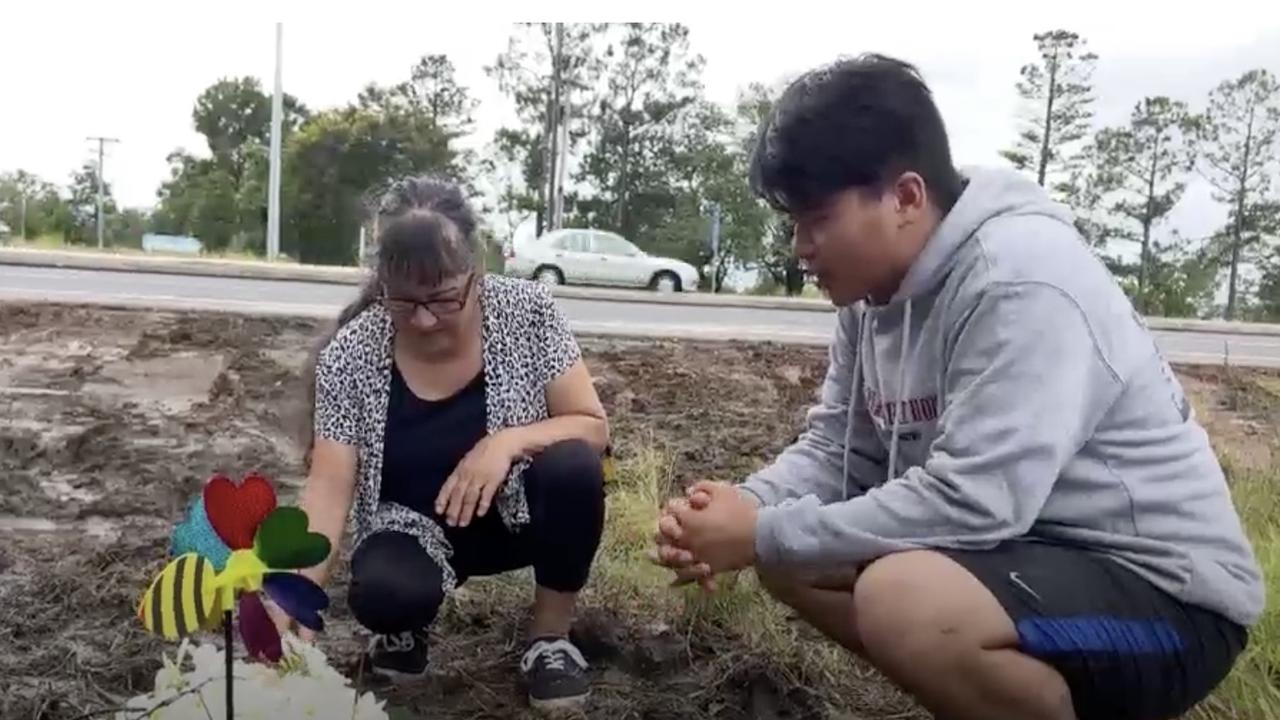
x,y
273,174
102,142
562,162
555,112
714,242
23,232
562,125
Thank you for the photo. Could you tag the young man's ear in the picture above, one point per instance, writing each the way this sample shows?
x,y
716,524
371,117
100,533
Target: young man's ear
x,y
911,198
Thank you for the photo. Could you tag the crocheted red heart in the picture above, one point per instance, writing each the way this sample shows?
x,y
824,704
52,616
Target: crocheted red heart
x,y
236,511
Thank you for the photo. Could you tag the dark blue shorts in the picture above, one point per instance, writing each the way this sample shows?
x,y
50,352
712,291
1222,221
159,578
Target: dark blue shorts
x,y
1127,650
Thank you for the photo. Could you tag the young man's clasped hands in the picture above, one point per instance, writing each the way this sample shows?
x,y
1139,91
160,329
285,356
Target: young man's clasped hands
x,y
711,531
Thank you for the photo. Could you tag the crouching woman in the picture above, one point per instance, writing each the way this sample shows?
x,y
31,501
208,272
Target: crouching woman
x,y
457,426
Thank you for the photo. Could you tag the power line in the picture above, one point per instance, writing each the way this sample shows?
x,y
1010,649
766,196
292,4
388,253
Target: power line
x,y
102,143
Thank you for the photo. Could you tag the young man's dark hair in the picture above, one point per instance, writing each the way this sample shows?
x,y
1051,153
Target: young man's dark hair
x,y
857,123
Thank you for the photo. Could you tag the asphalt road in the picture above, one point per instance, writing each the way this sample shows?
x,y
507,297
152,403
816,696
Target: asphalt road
x,y
586,316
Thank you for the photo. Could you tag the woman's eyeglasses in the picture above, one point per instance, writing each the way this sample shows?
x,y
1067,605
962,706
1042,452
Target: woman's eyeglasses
x,y
438,307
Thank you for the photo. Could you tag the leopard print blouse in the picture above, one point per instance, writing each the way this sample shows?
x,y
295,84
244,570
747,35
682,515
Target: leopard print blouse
x,y
527,344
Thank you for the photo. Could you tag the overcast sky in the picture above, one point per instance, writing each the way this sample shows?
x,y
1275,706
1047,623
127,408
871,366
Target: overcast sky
x,y
132,70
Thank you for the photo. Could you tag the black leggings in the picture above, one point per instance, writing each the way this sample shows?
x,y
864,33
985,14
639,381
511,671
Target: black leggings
x,y
396,586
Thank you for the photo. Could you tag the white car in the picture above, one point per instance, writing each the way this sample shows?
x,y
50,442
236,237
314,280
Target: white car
x,y
571,256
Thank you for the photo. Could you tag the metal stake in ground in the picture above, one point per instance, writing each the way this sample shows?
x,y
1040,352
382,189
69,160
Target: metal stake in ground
x,y
229,638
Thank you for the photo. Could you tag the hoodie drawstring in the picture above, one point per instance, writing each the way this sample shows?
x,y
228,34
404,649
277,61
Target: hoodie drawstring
x,y
904,390
853,398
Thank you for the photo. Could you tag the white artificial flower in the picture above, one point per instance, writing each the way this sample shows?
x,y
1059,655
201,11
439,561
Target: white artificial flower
x,y
304,685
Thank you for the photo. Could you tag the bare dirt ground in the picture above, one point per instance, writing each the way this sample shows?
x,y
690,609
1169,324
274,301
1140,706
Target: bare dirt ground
x,y
111,420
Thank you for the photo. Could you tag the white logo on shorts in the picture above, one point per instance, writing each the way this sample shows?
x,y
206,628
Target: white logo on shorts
x,y
1016,579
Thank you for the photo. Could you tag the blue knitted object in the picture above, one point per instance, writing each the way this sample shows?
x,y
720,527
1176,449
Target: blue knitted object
x,y
195,534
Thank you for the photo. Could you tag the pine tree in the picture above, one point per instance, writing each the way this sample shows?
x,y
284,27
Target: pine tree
x,y
1242,140
1142,168
1058,94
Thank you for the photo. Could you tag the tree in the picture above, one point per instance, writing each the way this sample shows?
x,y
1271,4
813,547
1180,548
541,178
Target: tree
x,y
46,212
338,161
234,115
545,66
1243,125
707,166
1058,92
651,74
431,106
222,199
82,206
777,261
1142,167
1181,278
125,228
332,162
1266,307
433,90
201,199
516,156
431,95
780,262
1082,190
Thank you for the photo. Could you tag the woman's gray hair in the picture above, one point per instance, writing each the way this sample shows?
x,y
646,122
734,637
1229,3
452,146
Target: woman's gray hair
x,y
425,233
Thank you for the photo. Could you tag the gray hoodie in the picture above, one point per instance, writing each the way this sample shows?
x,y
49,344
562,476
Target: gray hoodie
x,y
1008,389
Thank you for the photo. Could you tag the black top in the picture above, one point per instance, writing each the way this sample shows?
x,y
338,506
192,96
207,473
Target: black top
x,y
426,439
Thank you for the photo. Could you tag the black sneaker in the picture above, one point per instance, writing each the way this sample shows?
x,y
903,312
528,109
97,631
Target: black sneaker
x,y
555,674
399,656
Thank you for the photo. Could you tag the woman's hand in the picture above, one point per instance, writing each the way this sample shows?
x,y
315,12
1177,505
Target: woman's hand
x,y
285,624
470,489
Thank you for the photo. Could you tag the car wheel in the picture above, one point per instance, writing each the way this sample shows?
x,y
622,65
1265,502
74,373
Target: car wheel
x,y
665,282
549,275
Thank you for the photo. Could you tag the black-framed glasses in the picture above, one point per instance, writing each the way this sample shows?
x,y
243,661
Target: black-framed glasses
x,y
438,307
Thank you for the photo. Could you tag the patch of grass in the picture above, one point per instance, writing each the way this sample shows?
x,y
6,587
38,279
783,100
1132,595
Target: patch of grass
x,y
736,632
1271,384
47,241
746,632
54,241
1252,691
623,575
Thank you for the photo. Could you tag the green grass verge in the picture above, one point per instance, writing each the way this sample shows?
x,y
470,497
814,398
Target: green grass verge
x,y
1252,691
54,241
751,631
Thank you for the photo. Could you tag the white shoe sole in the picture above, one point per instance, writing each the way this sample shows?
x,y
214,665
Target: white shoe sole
x,y
397,676
560,706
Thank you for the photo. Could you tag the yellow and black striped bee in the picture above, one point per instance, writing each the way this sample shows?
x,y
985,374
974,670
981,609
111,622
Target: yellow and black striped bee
x,y
182,599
